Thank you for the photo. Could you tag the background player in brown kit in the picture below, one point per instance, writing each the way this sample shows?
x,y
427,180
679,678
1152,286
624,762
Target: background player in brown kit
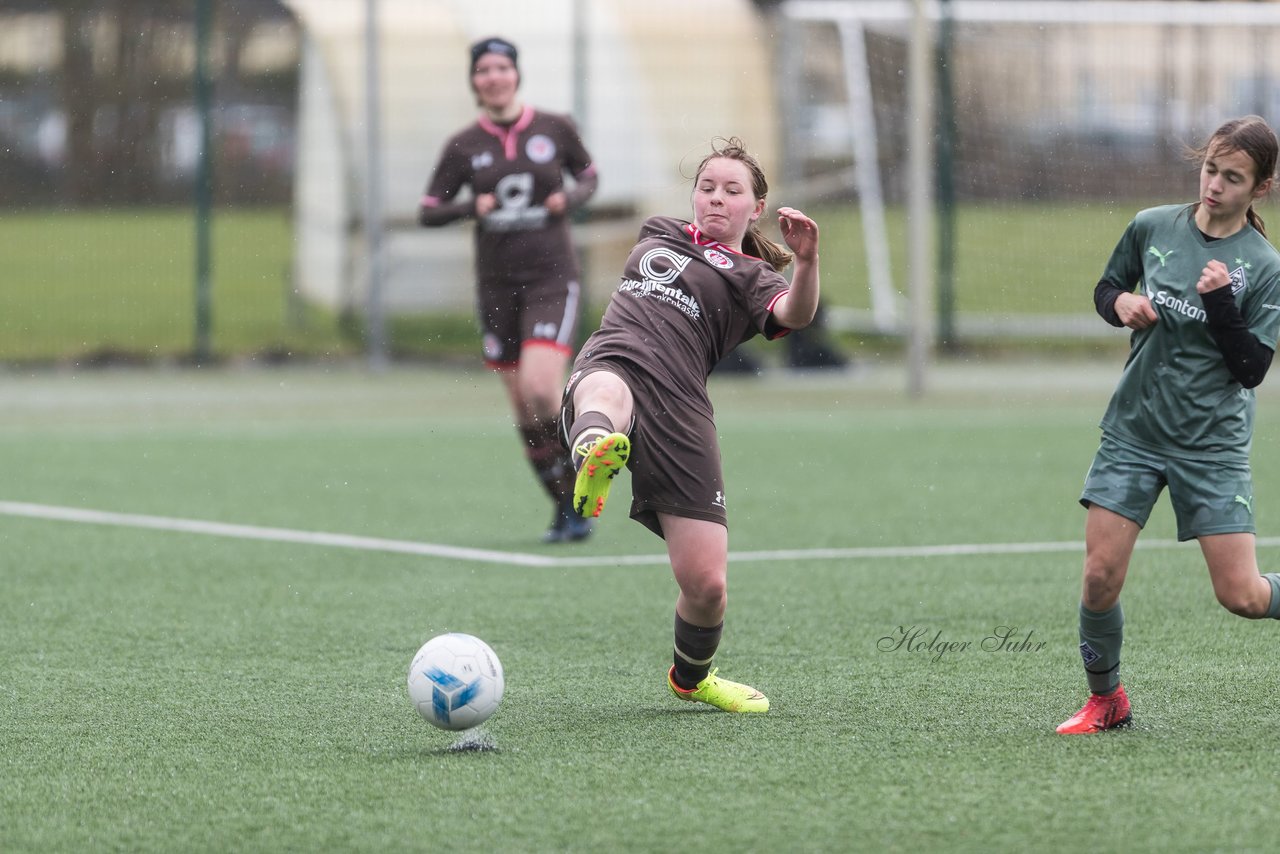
x,y
690,293
514,159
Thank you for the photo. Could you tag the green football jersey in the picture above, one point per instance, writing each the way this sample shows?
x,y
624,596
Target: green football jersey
x,y
1176,394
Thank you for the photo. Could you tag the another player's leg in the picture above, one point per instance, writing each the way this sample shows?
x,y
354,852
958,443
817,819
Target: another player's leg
x,y
548,322
699,552
552,466
1109,542
534,389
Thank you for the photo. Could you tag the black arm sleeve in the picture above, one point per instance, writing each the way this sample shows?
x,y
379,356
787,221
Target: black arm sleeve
x,y
1247,358
1104,300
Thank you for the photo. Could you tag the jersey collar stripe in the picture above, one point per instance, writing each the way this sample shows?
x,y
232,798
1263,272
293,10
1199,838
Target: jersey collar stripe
x,y
508,136
696,233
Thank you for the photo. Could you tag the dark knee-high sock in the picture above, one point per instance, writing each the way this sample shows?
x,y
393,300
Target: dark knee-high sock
x,y
586,427
546,455
1273,610
1101,635
695,647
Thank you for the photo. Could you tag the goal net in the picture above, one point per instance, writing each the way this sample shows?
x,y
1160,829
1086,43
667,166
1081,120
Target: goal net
x,y
1054,123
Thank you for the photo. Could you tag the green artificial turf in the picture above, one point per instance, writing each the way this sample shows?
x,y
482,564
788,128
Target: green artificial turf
x,y
174,691
120,285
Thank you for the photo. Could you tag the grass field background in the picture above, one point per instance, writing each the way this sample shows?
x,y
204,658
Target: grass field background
x,y
119,285
165,690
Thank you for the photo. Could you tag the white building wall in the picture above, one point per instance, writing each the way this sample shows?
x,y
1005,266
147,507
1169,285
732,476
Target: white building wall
x,y
664,78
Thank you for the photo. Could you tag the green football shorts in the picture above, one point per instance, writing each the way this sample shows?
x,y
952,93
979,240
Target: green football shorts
x,y
1208,496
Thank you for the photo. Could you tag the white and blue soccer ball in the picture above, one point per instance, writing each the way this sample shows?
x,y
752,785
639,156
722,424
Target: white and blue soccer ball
x,y
455,681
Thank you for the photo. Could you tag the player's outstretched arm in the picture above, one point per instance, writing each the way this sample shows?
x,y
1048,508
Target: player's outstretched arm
x,y
796,309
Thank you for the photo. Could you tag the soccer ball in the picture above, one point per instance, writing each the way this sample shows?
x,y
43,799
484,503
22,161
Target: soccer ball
x,y
455,681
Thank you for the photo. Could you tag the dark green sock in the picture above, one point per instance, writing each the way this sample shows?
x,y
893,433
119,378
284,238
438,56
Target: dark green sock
x,y
1273,610
1101,635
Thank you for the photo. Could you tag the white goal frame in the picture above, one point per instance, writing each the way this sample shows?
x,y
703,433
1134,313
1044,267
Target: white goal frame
x,y
890,312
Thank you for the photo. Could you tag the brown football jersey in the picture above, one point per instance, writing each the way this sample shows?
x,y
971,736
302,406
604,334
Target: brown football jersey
x,y
684,302
521,165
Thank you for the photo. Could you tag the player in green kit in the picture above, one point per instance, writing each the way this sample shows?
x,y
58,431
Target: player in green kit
x,y
1199,285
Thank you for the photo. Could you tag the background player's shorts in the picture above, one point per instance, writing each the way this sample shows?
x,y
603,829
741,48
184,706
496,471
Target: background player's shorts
x,y
539,311
1208,497
675,453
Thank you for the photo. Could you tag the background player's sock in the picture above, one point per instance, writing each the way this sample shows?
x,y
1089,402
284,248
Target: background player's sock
x,y
546,455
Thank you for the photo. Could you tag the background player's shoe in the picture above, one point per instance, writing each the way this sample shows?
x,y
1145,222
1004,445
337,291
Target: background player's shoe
x,y
721,693
1101,712
567,526
598,462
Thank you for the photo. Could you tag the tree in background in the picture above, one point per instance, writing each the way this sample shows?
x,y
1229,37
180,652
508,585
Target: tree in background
x,y
121,89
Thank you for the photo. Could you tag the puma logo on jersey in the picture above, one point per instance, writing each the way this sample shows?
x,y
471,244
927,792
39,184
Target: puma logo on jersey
x,y
1160,256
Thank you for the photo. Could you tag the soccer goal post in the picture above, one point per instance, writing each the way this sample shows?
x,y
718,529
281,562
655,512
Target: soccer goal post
x,y
1068,118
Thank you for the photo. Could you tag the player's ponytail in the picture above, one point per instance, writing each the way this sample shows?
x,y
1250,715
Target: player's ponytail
x,y
1256,221
754,242
774,254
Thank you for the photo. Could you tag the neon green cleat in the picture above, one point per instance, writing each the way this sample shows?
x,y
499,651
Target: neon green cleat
x,y
598,462
721,693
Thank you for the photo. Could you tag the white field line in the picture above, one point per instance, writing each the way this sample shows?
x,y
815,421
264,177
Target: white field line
x,y
279,535
378,544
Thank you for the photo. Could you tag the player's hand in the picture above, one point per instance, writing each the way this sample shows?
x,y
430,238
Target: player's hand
x,y
1135,311
799,232
1213,276
485,204
557,203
